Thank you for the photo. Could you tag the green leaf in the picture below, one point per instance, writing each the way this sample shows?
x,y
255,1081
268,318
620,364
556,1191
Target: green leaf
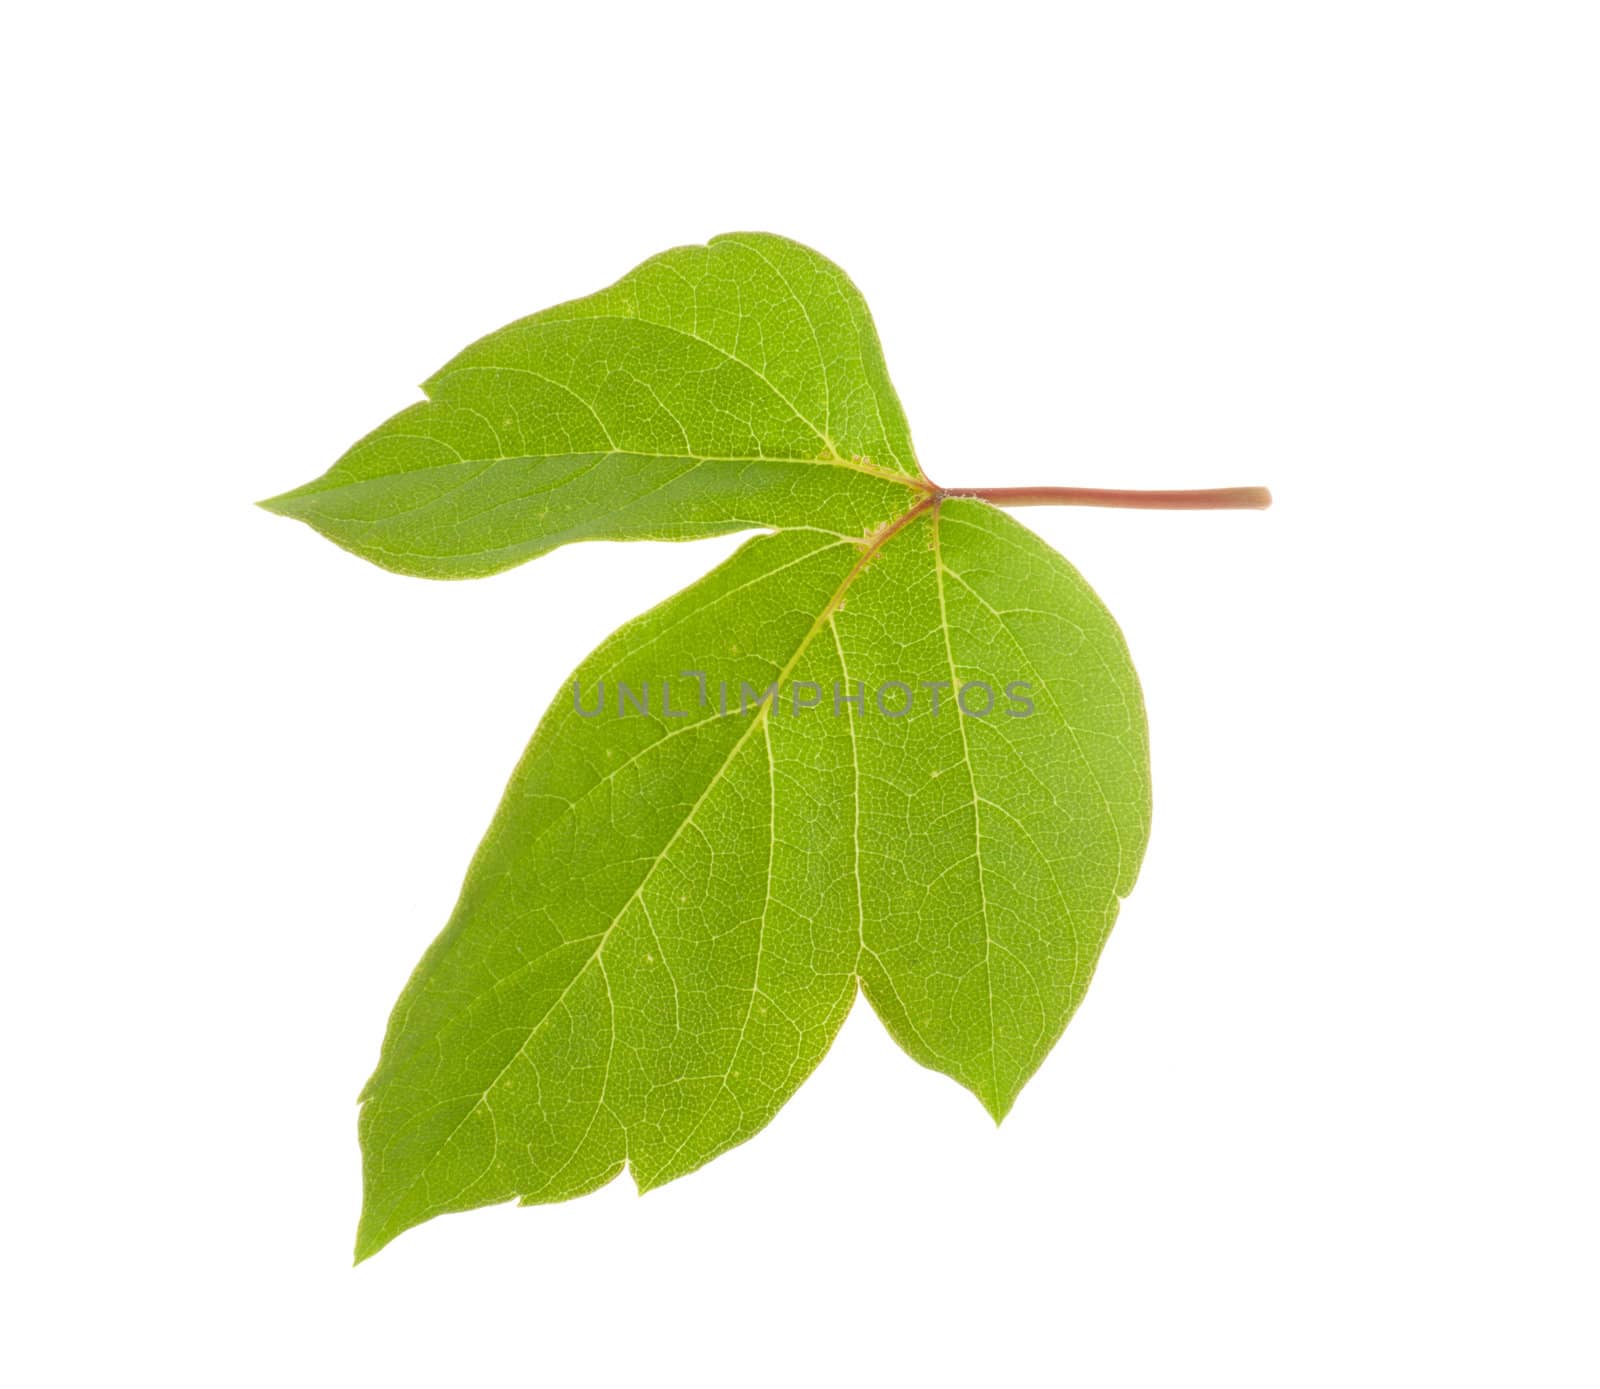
x,y
676,904
716,388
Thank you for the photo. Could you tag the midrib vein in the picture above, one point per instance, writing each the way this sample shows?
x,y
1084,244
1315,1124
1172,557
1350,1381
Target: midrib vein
x,y
977,812
854,465
855,803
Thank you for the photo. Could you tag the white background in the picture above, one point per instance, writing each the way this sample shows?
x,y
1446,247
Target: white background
x,y
1328,1115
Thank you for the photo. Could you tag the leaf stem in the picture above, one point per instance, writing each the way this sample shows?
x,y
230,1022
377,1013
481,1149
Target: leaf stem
x,y
1197,499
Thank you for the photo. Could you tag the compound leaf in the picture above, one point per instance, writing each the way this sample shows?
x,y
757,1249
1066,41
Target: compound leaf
x,y
894,745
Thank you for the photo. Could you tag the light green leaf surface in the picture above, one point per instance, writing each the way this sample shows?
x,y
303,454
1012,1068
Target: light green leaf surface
x,y
716,388
673,910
